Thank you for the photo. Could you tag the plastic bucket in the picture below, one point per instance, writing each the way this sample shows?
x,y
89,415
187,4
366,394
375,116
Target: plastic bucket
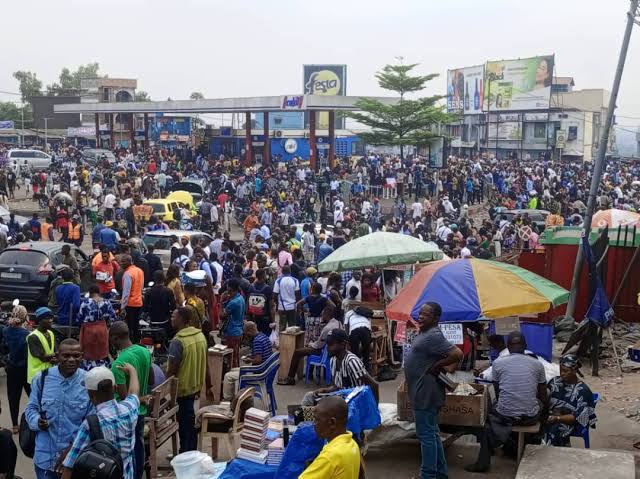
x,y
187,464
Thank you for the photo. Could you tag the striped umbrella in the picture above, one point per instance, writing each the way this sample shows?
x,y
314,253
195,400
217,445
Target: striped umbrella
x,y
615,218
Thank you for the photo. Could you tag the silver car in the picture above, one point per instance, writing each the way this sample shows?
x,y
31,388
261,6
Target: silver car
x,y
161,242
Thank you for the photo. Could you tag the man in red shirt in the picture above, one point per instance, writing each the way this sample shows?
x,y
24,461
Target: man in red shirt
x,y
104,271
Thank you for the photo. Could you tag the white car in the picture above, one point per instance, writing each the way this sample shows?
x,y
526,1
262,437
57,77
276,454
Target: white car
x,y
161,241
35,159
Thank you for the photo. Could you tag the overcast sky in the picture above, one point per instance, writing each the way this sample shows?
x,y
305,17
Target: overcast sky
x,y
257,47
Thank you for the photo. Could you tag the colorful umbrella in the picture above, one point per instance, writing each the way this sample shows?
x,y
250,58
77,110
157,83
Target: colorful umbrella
x,y
468,289
380,249
615,218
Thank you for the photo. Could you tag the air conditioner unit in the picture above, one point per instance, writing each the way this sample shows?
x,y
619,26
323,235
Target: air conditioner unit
x,y
563,115
277,133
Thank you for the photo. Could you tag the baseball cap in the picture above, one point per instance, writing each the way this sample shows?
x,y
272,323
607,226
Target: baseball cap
x,y
311,271
337,336
96,376
109,224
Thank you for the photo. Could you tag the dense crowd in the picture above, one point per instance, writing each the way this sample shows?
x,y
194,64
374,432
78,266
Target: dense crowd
x,y
245,290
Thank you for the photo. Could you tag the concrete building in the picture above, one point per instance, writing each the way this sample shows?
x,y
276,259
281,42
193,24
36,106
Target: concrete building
x,y
570,128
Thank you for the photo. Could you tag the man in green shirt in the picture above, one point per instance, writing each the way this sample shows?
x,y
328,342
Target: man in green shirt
x,y
140,358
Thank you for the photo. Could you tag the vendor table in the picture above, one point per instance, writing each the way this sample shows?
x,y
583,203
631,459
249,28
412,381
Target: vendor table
x,y
289,342
218,364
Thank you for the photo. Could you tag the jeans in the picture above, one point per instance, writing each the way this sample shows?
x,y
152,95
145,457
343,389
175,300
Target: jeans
x,y
138,449
186,424
434,465
46,474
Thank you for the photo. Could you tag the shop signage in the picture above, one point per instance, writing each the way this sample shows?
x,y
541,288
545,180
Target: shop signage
x,y
290,145
293,102
561,138
506,325
452,332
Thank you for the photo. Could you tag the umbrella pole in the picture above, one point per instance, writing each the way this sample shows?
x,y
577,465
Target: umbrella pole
x,y
625,276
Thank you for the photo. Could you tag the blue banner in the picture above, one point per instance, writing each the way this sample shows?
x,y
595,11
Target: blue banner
x,y
8,124
600,310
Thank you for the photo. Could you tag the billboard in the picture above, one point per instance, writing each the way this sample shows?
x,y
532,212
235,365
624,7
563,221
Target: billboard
x,y
523,84
328,80
465,90
509,130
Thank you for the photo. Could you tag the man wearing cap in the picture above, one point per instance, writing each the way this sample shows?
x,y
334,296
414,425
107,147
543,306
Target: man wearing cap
x,y
108,236
117,419
347,370
57,417
41,344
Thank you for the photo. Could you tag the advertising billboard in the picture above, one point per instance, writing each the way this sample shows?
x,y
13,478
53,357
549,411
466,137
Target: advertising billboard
x,y
523,84
510,130
465,90
328,80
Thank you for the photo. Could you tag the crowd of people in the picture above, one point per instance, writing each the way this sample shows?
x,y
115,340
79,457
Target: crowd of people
x,y
245,291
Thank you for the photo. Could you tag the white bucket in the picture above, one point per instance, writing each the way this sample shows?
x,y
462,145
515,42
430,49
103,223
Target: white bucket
x,y
187,464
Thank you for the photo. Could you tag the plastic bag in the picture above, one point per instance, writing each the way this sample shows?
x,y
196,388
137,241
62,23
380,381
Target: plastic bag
x,y
274,337
303,448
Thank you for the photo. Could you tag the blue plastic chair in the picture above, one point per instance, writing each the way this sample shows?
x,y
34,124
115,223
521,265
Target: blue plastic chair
x,y
261,377
319,363
582,431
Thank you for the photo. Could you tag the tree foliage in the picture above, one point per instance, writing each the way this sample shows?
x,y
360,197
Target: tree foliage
x,y
29,85
9,111
196,95
69,81
406,121
142,95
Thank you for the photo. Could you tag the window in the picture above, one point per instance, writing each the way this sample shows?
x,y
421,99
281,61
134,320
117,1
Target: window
x,y
539,130
105,95
572,134
277,121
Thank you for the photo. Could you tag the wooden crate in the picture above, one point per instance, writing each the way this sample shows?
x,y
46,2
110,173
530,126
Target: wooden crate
x,y
457,410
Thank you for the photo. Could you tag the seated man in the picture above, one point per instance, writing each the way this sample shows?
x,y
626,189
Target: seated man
x,y
261,350
521,388
314,349
340,457
117,419
347,370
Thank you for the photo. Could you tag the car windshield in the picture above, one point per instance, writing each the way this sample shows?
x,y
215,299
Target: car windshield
x,y
187,186
158,208
158,242
23,258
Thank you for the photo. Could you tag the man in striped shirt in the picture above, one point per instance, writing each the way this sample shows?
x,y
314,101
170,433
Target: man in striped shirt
x,y
347,369
260,351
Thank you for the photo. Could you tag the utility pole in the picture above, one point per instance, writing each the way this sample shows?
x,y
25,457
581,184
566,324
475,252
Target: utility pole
x,y
632,17
46,132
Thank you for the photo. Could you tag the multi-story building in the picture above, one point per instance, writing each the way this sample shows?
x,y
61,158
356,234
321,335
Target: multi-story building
x,y
569,128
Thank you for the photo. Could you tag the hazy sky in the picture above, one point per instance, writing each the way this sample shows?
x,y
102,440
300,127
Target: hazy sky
x,y
257,47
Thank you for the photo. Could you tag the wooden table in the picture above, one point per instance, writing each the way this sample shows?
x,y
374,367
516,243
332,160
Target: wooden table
x,y
289,342
218,364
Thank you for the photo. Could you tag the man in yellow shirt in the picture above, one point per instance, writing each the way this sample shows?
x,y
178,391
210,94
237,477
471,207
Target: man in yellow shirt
x,y
340,457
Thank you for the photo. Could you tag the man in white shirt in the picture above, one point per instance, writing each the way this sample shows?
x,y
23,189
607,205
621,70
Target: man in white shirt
x,y
354,281
444,231
109,204
96,190
366,207
416,207
448,206
286,293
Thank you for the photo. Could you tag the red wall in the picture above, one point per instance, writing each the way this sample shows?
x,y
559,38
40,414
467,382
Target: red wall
x,y
557,265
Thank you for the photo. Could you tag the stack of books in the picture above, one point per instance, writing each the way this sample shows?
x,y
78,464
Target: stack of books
x,y
253,436
275,451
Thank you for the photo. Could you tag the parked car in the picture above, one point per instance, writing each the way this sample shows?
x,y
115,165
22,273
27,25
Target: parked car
x,y
27,269
164,208
537,217
161,241
4,214
196,186
93,155
35,159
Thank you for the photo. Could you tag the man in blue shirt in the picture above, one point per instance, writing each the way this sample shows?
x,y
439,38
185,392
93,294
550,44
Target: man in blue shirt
x,y
233,314
68,299
95,232
261,350
325,248
57,417
109,237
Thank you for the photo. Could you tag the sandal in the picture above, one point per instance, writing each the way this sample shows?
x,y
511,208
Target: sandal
x,y
287,382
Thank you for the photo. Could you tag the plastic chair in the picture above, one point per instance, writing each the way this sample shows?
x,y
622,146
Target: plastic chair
x,y
320,363
582,431
261,377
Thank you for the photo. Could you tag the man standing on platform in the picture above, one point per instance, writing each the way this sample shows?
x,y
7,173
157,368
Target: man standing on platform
x,y
429,355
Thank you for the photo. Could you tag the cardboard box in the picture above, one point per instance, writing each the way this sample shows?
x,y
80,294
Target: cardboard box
x,y
457,410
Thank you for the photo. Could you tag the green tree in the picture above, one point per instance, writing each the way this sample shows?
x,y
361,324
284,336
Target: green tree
x,y
69,81
29,84
142,95
196,95
9,111
406,121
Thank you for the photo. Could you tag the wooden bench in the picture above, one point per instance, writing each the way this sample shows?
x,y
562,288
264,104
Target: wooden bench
x,y
522,431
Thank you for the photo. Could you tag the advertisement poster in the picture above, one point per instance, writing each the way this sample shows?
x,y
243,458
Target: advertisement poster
x,y
510,130
465,90
327,80
523,84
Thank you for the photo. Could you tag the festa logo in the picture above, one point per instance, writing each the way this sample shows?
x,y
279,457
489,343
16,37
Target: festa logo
x,y
292,102
324,82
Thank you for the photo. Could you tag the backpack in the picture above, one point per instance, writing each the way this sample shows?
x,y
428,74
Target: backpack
x,y
100,459
27,437
257,303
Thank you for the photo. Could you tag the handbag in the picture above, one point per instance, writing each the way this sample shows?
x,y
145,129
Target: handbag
x,y
27,437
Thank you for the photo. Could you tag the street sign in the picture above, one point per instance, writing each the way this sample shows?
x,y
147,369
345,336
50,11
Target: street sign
x,y
561,139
